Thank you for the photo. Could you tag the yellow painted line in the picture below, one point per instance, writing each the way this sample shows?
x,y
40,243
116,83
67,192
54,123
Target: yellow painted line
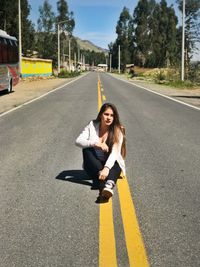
x,y
103,97
107,246
135,246
134,242
99,94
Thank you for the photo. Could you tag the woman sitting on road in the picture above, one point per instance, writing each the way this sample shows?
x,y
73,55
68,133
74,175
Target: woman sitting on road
x,y
103,144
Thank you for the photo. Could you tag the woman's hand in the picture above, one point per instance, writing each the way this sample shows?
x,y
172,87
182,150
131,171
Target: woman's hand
x,y
103,173
102,146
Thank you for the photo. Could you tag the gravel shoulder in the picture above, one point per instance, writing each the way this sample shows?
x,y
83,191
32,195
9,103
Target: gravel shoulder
x,y
190,96
27,90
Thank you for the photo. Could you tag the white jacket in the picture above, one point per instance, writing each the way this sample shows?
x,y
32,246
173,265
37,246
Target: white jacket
x,y
90,136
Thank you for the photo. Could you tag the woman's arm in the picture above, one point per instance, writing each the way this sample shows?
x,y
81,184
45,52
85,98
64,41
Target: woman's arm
x,y
116,151
85,139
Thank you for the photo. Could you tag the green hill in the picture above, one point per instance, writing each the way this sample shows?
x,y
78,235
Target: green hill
x,y
87,45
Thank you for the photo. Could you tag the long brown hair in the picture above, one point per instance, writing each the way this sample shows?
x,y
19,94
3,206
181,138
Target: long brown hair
x,y
115,127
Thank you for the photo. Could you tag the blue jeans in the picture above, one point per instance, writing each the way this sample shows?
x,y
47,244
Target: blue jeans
x,y
92,165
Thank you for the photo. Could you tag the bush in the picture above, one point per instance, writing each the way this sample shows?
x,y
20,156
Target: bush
x,y
68,74
181,84
171,76
194,72
160,76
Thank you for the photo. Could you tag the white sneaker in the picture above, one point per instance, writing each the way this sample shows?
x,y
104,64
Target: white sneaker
x,y
107,192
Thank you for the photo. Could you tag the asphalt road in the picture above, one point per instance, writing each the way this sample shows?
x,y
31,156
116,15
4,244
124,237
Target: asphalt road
x,y
48,212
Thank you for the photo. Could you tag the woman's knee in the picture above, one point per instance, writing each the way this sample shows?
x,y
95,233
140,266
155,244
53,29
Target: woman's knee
x,y
88,152
90,160
114,172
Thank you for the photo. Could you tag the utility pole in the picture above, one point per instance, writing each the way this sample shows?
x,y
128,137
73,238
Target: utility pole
x,y
78,54
69,53
75,61
84,62
58,48
61,22
20,37
183,42
110,62
119,59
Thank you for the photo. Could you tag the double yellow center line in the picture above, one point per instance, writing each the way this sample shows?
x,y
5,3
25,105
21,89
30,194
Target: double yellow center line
x,y
134,243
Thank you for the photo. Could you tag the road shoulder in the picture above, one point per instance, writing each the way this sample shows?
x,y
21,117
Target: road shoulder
x,y
27,90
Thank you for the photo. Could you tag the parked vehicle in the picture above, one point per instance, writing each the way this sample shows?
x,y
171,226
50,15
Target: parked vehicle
x,y
9,62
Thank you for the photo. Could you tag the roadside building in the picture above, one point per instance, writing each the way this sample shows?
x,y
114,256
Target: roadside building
x,y
36,67
102,67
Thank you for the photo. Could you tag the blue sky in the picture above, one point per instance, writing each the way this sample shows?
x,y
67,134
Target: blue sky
x,y
95,19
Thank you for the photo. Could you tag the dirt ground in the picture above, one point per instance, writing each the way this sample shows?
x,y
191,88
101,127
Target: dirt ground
x,y
27,90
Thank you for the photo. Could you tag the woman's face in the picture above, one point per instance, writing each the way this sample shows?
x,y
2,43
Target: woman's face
x,y
107,117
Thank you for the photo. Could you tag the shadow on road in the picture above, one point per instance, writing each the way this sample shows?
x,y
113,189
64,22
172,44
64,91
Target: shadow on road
x,y
75,176
80,177
4,92
187,96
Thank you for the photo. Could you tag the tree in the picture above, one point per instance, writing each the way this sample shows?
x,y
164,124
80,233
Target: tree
x,y
141,15
28,31
66,27
123,37
65,15
93,58
9,22
192,26
154,26
113,50
171,33
163,32
46,37
149,38
3,15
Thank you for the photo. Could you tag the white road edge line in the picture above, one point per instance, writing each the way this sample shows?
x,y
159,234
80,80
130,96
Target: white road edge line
x,y
168,97
32,100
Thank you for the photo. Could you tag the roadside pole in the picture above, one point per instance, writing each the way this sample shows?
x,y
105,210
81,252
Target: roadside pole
x,y
69,53
58,49
183,42
119,59
20,37
59,22
110,62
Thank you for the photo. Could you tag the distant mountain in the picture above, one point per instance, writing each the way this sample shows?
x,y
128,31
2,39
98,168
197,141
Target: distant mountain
x,y
87,45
